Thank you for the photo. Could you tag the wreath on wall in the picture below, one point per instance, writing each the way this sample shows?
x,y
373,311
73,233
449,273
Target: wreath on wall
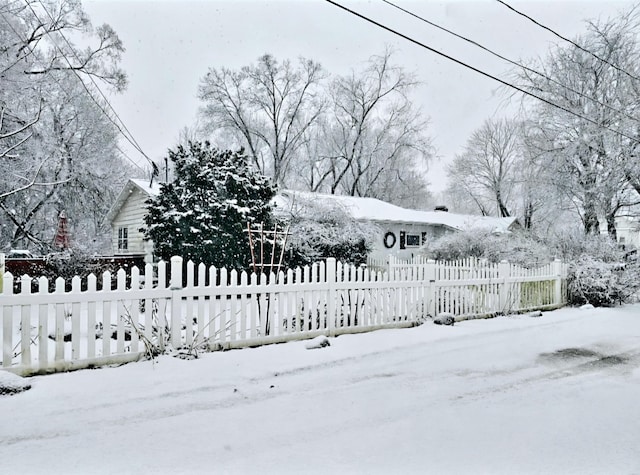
x,y
389,240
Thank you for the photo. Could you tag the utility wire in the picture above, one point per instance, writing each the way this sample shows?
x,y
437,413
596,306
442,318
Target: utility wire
x,y
130,138
479,71
515,63
567,40
130,159
65,90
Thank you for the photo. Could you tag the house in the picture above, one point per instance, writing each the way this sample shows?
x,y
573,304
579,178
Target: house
x,y
402,231
126,217
627,230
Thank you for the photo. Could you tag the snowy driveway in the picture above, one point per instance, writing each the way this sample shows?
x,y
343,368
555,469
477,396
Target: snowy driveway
x,y
556,394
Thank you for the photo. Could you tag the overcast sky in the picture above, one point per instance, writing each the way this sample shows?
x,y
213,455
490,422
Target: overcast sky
x,y
171,44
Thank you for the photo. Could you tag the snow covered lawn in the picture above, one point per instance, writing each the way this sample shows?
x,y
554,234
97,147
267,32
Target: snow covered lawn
x,y
555,394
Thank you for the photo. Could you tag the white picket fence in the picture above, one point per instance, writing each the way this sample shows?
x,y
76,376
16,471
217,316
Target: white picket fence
x,y
208,308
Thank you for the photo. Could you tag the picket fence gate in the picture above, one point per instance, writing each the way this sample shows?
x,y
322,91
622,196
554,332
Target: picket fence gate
x,y
195,308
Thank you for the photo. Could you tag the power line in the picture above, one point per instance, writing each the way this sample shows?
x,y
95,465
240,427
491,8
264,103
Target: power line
x,y
567,40
130,138
130,159
515,63
65,90
479,71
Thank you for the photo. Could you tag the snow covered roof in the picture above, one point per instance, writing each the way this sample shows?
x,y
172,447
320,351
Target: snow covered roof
x,y
152,189
129,187
372,209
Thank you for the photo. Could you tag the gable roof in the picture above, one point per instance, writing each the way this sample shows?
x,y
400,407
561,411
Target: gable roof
x,y
129,187
360,209
372,209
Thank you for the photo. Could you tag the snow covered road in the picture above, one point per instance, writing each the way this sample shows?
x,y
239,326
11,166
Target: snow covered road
x,y
556,394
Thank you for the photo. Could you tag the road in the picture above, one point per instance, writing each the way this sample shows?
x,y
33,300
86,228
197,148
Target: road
x,y
556,394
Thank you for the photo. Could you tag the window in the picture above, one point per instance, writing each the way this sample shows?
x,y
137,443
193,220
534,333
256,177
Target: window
x,y
412,240
123,239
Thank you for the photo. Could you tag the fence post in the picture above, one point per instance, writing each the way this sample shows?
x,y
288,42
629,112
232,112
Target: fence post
x,y
176,301
557,291
504,273
176,273
430,283
331,295
7,327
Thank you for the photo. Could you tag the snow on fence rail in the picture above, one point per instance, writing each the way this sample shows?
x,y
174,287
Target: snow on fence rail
x,y
97,323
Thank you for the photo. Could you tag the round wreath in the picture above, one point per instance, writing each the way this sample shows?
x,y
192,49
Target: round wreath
x,y
389,240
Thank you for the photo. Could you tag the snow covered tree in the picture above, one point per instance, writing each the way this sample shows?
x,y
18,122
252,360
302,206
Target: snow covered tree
x,y
81,174
589,145
36,55
57,147
202,214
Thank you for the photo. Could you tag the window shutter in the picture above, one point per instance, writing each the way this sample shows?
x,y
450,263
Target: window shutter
x,y
403,239
424,238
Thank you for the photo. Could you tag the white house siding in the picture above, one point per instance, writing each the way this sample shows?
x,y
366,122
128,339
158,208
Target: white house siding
x,y
131,216
427,232
628,231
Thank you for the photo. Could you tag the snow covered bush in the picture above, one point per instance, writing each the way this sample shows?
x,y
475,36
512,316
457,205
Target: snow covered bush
x,y
322,228
203,214
599,283
600,273
70,263
519,248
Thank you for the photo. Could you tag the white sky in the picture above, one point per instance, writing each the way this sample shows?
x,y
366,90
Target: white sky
x,y
171,44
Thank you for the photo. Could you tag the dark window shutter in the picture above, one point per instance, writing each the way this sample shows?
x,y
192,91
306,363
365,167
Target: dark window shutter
x,y
424,238
403,239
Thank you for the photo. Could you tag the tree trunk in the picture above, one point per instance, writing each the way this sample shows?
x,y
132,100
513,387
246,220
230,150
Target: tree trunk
x,y
502,208
590,219
528,216
611,227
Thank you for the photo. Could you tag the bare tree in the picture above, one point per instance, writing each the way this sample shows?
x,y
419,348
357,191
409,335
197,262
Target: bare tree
x,y
488,170
268,107
374,139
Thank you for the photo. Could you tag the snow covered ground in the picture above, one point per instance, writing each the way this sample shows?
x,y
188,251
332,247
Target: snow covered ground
x,y
555,394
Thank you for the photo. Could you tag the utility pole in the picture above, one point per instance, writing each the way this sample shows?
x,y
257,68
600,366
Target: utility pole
x,y
166,169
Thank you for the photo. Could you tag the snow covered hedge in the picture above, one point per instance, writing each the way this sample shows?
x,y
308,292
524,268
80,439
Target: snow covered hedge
x,y
600,283
600,272
321,229
518,248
